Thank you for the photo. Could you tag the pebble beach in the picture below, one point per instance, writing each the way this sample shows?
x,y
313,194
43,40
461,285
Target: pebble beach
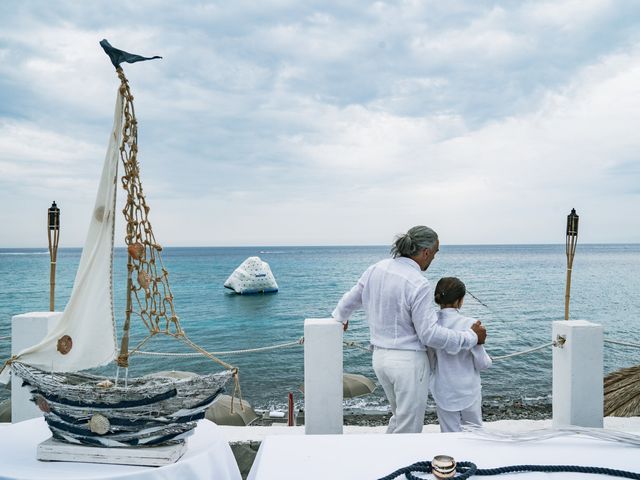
x,y
512,411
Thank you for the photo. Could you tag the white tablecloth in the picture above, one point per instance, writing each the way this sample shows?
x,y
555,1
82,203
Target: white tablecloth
x,y
208,456
369,457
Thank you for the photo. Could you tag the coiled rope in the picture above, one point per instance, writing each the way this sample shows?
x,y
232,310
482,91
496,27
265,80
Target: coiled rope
x,y
468,469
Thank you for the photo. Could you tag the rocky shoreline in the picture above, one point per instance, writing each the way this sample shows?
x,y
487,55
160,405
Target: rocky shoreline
x,y
490,413
515,410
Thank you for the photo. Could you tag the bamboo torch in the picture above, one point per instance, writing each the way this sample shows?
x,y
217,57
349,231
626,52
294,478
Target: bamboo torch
x,y
54,235
572,240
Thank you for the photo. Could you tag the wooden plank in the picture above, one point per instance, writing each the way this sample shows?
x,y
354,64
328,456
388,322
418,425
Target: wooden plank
x,y
55,451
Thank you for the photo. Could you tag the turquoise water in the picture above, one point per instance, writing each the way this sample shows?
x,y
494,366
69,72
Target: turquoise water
x,y
522,286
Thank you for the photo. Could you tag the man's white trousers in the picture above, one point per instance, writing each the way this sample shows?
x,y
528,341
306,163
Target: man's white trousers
x,y
404,376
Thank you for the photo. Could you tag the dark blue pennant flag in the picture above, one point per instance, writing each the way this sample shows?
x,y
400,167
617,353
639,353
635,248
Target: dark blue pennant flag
x,y
119,56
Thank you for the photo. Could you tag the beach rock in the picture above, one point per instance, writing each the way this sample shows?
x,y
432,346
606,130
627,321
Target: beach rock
x,y
220,412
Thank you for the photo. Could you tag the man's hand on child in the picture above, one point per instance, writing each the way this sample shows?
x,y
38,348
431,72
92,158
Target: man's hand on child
x,y
480,331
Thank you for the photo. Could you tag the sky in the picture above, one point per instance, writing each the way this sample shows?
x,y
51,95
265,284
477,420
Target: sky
x,y
326,122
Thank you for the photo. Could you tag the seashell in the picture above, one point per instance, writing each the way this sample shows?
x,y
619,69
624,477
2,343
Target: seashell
x,y
99,213
443,466
65,344
42,404
99,424
144,279
105,384
136,250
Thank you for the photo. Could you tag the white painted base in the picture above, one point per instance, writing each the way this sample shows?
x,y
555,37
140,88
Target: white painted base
x,y
578,396
27,329
323,411
54,451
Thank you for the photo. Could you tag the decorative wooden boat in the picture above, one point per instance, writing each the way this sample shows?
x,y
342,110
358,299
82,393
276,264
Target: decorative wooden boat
x,y
86,409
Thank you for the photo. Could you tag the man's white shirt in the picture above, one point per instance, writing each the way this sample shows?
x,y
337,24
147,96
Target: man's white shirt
x,y
398,302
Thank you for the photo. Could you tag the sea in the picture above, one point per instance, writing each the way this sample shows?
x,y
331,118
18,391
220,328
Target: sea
x,y
519,291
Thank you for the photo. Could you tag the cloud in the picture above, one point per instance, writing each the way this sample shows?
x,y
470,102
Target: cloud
x,y
326,122
32,156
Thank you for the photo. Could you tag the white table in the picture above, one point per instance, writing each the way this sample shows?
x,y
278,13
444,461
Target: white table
x,y
208,456
369,457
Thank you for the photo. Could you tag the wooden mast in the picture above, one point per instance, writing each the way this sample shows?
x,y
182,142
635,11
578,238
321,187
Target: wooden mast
x,y
130,140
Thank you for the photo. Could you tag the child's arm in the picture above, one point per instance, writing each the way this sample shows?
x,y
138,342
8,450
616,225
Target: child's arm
x,y
481,359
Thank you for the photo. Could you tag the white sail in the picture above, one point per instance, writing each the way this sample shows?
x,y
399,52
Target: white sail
x,y
85,335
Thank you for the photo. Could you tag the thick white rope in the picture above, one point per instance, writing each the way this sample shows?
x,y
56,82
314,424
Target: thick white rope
x,y
524,352
627,344
515,354
346,344
357,345
230,352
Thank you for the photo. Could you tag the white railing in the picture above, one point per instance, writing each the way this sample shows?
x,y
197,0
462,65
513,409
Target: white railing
x,y
571,369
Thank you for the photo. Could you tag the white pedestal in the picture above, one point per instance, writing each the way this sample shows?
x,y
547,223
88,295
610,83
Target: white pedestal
x,y
208,456
53,450
322,376
578,397
27,329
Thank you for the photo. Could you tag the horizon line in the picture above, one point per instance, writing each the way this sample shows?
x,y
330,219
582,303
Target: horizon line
x,y
45,247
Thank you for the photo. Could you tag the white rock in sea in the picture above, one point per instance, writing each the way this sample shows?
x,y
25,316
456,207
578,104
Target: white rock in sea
x,y
252,276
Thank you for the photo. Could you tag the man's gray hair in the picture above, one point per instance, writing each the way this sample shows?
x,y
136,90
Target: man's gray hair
x,y
413,241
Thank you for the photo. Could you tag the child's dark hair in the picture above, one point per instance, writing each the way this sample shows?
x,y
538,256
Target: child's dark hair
x,y
449,290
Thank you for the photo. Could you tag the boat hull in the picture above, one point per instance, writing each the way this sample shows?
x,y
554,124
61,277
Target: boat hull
x,y
86,409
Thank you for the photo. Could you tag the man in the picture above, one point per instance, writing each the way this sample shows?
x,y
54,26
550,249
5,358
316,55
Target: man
x,y
398,302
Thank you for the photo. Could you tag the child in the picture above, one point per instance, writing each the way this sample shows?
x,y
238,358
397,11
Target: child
x,y
455,380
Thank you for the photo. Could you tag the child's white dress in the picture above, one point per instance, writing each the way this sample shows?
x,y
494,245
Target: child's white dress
x,y
455,380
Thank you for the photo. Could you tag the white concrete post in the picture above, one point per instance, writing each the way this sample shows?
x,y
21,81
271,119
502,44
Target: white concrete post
x,y
322,376
26,330
578,396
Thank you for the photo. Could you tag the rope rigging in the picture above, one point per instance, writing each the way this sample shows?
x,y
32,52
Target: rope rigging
x,y
149,295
